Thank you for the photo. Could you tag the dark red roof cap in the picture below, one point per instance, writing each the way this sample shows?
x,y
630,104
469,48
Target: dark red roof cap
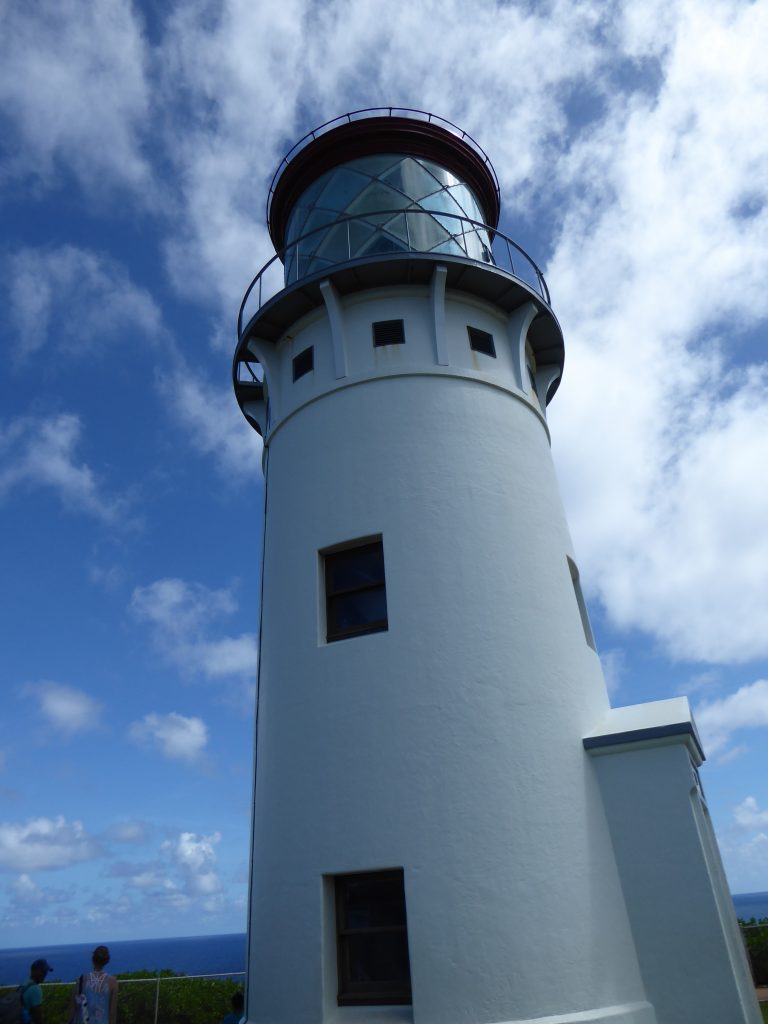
x,y
363,136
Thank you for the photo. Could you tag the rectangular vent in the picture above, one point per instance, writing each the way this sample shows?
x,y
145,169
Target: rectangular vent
x,y
304,362
388,332
481,341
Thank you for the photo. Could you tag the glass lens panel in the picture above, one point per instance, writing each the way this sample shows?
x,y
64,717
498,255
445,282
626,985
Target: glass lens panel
x,y
296,221
465,200
379,960
358,567
342,187
425,232
411,178
444,202
452,248
374,902
397,226
443,176
382,243
318,218
374,165
378,197
333,244
356,610
375,218
360,232
477,248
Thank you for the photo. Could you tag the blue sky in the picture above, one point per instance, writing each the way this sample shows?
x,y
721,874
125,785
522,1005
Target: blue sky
x,y
137,146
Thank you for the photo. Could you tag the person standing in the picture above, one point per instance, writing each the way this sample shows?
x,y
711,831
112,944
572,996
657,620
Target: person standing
x,y
237,1010
32,994
99,990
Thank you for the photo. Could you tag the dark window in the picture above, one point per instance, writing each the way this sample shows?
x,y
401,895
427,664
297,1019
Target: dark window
x,y
388,332
372,939
355,595
304,362
481,341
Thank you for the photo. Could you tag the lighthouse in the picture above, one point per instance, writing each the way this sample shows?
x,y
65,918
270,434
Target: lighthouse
x,y
451,825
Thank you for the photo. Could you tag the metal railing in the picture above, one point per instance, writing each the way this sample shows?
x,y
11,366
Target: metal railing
x,y
504,253
363,114
153,1010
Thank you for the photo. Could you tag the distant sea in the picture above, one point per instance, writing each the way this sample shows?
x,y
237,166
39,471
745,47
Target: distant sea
x,y
751,904
202,954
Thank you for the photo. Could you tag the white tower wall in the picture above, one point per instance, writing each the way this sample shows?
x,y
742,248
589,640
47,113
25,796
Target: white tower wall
x,y
558,862
463,721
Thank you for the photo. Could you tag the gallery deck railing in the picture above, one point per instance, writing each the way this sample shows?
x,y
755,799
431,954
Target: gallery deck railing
x,y
467,239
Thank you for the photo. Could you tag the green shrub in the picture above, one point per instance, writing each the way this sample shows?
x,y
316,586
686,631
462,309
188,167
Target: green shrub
x,y
756,940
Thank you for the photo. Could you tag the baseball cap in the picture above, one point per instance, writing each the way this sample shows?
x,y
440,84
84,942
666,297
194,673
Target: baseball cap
x,y
41,965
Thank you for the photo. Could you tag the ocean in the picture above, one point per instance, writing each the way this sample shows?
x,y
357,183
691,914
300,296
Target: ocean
x,y
201,954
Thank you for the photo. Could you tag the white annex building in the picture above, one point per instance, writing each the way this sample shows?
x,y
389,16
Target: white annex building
x,y
450,823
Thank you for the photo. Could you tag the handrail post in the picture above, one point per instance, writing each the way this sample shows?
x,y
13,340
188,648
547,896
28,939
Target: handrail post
x,y
157,997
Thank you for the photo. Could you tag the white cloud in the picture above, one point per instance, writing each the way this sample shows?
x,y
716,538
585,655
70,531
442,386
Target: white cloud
x,y
74,300
659,270
180,615
212,422
72,84
128,832
706,680
733,754
42,453
613,663
749,815
230,656
248,77
174,604
718,720
68,710
196,856
662,197
26,891
43,844
176,736
111,577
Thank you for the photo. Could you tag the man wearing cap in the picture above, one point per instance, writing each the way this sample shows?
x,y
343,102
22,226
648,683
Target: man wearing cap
x,y
32,994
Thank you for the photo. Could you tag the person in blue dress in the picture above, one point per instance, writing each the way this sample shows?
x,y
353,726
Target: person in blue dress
x,y
32,994
95,996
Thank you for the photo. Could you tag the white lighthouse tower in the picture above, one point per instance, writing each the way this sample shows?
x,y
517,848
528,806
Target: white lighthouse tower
x,y
451,826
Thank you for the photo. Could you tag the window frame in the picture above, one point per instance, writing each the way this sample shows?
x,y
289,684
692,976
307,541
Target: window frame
x,y
380,625
385,335
481,341
351,993
299,371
